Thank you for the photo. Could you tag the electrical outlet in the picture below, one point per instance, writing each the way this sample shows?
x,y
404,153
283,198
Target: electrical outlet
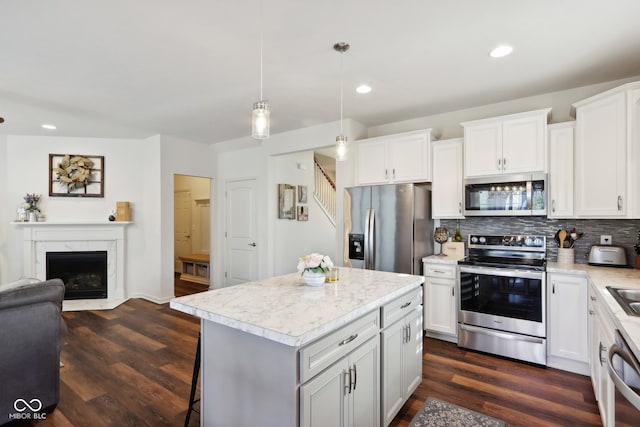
x,y
605,239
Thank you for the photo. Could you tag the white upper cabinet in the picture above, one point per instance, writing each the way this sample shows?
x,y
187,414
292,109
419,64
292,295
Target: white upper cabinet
x,y
601,155
561,170
447,190
395,158
506,145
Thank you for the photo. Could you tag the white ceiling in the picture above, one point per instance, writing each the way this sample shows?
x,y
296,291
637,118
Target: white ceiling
x,y
136,68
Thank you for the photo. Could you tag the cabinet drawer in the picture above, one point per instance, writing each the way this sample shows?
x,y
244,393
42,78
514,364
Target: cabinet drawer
x,y
440,271
400,306
327,350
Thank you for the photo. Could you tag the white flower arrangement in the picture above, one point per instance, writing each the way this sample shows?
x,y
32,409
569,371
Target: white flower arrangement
x,y
315,262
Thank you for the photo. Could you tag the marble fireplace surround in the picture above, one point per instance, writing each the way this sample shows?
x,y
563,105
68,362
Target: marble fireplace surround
x,y
42,237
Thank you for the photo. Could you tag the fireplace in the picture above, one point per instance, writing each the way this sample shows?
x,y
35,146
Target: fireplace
x,y
42,238
84,273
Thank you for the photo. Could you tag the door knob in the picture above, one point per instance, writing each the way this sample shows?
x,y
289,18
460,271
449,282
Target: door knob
x,y
252,244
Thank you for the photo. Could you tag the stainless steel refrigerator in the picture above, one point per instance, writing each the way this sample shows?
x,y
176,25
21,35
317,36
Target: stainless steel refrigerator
x,y
388,227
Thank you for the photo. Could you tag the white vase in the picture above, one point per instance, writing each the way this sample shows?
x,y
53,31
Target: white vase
x,y
33,217
312,278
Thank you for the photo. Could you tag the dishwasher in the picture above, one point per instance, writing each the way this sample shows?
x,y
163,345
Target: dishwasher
x,y
624,371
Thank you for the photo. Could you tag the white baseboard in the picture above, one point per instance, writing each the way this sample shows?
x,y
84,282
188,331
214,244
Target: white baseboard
x,y
153,299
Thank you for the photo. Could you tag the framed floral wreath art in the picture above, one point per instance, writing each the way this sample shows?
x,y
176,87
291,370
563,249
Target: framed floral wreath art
x,y
76,175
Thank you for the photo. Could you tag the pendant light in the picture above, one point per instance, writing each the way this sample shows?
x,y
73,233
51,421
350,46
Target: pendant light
x,y
260,118
341,140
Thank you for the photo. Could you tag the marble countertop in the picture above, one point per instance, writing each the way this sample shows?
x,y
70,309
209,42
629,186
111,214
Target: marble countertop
x,y
601,277
285,310
437,259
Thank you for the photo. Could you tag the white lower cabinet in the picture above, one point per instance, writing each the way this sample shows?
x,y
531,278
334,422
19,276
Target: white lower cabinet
x,y
601,338
568,342
401,362
347,393
440,308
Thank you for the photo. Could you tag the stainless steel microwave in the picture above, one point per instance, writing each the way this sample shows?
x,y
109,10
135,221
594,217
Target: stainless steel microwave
x,y
506,195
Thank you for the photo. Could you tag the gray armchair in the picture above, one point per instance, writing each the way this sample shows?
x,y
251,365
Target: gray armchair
x,y
31,335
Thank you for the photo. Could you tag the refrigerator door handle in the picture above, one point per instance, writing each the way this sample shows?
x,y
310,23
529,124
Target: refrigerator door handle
x,y
372,240
367,239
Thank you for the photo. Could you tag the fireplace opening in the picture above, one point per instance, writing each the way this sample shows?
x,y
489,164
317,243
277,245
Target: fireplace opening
x,y
84,273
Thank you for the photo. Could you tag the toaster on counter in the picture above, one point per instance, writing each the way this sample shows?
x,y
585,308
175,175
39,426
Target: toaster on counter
x,y
609,255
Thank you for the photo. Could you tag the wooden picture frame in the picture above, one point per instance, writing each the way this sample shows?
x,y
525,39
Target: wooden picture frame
x,y
302,194
59,187
303,213
286,201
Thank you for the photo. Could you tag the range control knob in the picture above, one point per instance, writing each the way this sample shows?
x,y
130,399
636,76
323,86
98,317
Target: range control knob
x,y
537,241
482,240
474,239
528,241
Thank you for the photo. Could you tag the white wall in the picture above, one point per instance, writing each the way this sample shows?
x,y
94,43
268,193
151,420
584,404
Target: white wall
x,y
125,169
448,126
184,158
4,213
260,160
297,238
138,171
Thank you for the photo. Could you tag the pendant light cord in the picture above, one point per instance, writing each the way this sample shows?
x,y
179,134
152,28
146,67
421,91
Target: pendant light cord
x,y
341,93
261,46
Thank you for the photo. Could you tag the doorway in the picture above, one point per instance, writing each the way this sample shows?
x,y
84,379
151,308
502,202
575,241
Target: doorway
x,y
191,231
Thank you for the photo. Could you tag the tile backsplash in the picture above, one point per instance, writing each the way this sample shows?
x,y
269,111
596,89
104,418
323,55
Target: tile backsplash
x,y
623,232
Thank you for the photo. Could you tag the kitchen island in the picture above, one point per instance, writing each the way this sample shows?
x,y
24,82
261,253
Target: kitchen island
x,y
270,346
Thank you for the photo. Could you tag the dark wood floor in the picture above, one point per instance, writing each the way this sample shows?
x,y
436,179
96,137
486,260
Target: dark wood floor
x,y
183,287
132,366
517,393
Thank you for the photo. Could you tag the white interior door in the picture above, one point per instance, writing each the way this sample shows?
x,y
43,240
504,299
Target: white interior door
x,y
241,253
181,227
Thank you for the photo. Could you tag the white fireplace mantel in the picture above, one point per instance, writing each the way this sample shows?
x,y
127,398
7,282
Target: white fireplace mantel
x,y
42,237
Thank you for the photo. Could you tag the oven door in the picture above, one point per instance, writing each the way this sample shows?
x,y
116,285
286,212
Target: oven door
x,y
509,300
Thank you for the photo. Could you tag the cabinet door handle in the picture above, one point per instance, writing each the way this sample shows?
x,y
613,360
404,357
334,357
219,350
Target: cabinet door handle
x,y
348,340
601,348
347,382
406,304
409,333
355,377
252,244
459,207
393,173
386,174
553,287
499,163
453,291
592,312
592,298
620,203
553,205
504,163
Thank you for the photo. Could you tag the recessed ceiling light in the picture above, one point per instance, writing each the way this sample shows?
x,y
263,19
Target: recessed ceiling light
x,y
501,51
363,89
49,127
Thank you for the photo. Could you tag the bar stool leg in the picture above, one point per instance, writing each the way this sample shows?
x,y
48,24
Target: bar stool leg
x,y
194,383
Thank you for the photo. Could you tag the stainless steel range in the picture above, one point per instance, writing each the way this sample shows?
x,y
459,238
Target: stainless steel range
x,y
502,306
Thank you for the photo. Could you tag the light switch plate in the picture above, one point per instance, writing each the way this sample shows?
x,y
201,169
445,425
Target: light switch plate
x,y
605,239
